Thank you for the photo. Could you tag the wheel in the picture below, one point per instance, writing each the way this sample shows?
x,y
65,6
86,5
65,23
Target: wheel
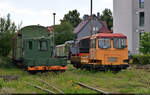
x,y
32,72
62,71
115,71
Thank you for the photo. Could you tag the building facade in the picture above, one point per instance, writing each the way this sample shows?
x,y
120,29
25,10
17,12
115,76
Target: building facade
x,y
132,18
84,28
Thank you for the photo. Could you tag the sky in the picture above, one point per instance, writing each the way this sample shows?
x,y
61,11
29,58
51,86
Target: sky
x,y
33,12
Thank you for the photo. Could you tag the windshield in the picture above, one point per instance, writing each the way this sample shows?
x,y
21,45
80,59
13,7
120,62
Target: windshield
x,y
119,42
104,43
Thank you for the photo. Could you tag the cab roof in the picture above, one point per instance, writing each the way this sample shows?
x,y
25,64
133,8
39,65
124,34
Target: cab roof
x,y
110,35
104,35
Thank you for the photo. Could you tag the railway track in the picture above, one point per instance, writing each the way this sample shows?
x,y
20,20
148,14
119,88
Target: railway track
x,y
51,86
92,88
101,92
39,87
58,91
54,90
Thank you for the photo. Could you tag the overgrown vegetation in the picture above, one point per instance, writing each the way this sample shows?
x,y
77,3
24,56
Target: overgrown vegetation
x,y
144,57
7,31
127,81
73,17
107,16
145,43
141,59
6,62
63,33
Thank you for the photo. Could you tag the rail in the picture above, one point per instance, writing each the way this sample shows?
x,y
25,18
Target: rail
x,y
61,92
92,88
46,90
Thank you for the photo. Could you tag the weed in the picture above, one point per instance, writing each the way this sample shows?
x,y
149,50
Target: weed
x,y
126,81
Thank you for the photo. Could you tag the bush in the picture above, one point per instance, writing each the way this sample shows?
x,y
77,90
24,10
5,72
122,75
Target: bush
x,y
6,62
145,43
7,31
141,59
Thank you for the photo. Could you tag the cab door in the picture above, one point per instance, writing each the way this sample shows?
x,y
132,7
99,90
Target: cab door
x,y
28,49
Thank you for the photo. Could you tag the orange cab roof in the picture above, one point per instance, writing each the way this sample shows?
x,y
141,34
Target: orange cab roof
x,y
111,35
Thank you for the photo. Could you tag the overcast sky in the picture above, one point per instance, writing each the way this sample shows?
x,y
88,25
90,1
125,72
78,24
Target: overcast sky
x,y
32,12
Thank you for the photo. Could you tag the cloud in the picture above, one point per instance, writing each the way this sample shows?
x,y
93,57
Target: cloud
x,y
6,7
41,12
25,15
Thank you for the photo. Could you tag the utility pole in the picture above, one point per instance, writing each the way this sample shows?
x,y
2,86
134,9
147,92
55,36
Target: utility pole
x,y
53,35
91,15
91,30
91,7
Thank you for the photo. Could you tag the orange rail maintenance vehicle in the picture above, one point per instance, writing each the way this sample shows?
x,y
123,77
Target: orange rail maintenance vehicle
x,y
107,51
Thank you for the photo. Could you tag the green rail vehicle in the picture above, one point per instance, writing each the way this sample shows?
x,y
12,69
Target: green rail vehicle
x,y
33,50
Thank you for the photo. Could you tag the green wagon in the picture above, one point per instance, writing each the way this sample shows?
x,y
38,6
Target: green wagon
x,y
32,50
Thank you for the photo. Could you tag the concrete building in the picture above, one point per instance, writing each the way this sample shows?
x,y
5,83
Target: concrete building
x,y
132,18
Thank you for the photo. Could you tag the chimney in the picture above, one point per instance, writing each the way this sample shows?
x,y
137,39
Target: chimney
x,y
85,17
98,15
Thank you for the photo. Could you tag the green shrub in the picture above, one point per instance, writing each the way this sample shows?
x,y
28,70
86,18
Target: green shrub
x,y
145,43
7,30
6,62
141,59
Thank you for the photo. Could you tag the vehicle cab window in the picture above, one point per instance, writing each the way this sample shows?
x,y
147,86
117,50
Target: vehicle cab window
x,y
119,42
30,45
104,43
43,45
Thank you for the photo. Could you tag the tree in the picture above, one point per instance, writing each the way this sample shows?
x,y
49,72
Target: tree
x,y
7,31
145,43
63,33
107,16
72,17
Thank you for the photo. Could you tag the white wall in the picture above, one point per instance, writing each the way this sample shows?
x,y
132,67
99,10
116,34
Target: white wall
x,y
122,12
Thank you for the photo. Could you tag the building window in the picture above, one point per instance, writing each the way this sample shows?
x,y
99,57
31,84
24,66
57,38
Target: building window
x,y
141,3
142,19
95,29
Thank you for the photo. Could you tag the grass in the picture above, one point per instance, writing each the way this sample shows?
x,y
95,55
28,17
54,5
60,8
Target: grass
x,y
127,81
